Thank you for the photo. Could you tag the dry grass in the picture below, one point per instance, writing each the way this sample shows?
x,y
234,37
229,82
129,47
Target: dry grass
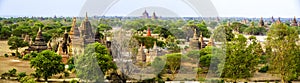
x,y
4,48
7,63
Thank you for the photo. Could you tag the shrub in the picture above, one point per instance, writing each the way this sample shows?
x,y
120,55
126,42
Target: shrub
x,y
71,67
66,74
6,55
264,69
27,79
26,57
21,75
74,81
12,72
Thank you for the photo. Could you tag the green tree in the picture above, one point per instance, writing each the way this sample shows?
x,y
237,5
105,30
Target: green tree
x,y
47,63
5,32
239,27
241,59
16,42
104,27
222,32
96,60
283,52
173,62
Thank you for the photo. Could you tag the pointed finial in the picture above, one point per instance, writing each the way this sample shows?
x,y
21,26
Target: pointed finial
x,y
154,45
195,34
86,16
65,30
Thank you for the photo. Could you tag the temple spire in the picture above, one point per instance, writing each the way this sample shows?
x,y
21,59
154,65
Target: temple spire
x,y
261,22
86,16
154,45
294,22
211,42
195,34
278,21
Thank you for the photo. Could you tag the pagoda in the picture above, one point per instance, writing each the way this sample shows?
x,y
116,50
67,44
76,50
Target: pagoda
x,y
39,43
145,14
294,22
194,43
154,16
261,22
74,32
201,41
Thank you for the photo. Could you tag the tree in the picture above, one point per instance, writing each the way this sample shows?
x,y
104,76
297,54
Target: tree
x,y
16,42
47,63
95,60
5,32
223,32
173,62
104,27
203,29
239,27
241,59
283,52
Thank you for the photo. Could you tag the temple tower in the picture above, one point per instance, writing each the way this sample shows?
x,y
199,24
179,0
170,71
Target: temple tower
x,y
294,22
141,56
74,32
194,43
39,43
211,42
154,16
145,14
261,22
202,43
278,21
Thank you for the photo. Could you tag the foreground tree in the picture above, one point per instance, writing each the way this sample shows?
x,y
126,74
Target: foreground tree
x,y
240,59
16,43
283,52
47,63
94,63
173,62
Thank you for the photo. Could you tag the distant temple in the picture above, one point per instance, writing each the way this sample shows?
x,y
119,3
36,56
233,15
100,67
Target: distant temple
x,y
261,22
294,22
72,42
38,45
154,16
146,15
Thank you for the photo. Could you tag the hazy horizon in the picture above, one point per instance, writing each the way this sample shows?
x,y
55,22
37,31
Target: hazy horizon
x,y
224,8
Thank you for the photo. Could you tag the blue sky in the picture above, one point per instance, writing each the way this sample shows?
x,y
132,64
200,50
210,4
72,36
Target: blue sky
x,y
225,8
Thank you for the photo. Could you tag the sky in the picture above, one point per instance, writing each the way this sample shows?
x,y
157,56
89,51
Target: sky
x,y
182,8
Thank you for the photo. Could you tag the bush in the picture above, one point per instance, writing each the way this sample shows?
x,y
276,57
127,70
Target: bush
x,y
71,67
66,74
6,55
264,69
26,57
27,79
12,72
21,75
74,81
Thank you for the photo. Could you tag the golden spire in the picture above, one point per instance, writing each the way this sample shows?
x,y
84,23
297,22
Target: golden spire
x,y
195,34
59,49
154,45
211,42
